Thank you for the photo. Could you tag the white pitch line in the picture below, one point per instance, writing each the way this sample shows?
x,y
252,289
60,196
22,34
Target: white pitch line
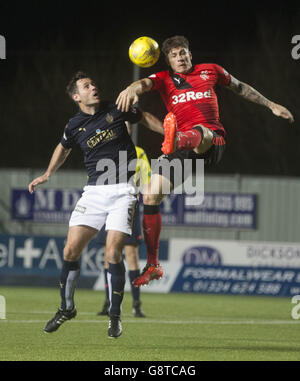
x,y
199,321
150,321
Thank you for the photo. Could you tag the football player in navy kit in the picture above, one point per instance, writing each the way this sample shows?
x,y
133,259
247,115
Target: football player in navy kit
x,y
108,198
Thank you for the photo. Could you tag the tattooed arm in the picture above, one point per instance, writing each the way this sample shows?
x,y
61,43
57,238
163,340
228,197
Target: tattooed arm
x,y
249,93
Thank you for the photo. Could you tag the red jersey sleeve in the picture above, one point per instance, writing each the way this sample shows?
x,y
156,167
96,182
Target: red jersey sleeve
x,y
158,80
222,75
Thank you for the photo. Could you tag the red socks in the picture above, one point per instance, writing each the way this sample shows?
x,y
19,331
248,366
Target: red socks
x,y
188,139
152,229
152,216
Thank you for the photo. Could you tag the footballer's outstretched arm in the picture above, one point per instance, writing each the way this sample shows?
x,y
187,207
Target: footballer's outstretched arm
x,y
131,94
150,121
58,158
249,93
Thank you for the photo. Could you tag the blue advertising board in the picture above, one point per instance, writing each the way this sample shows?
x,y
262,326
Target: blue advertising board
x,y
235,267
44,205
218,210
43,256
238,280
217,267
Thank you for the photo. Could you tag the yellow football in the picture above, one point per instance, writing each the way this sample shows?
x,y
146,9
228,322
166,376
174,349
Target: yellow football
x,y
144,52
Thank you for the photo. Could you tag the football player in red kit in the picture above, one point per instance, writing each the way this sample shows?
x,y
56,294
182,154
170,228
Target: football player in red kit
x,y
192,126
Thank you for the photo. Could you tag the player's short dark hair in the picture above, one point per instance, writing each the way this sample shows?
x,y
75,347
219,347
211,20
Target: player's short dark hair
x,y
72,85
174,42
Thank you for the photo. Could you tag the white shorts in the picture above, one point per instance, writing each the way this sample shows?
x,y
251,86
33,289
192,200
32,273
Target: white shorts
x,y
111,204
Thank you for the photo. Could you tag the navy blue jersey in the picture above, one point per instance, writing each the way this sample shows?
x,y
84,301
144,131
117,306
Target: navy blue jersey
x,y
105,142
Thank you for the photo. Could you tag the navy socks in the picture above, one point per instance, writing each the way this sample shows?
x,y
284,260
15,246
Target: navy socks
x,y
116,284
135,291
68,280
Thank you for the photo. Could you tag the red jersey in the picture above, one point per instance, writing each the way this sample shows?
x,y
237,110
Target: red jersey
x,y
191,97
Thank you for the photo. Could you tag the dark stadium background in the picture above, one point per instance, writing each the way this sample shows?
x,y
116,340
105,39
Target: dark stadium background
x,y
48,42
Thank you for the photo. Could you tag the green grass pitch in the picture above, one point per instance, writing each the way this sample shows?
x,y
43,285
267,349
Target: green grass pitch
x,y
178,327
